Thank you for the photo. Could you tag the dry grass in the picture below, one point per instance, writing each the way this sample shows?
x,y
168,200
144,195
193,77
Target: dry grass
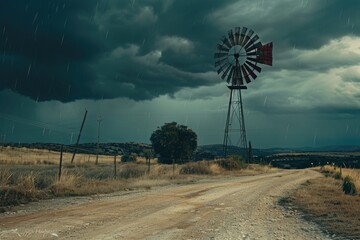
x,y
353,173
30,174
25,156
77,185
323,202
200,168
5,176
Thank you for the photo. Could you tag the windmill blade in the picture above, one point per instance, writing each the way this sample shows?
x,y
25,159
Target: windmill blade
x,y
220,55
242,36
222,68
237,35
265,54
221,62
246,75
252,41
248,36
231,37
254,53
230,74
253,60
257,68
226,41
250,71
255,46
226,72
222,48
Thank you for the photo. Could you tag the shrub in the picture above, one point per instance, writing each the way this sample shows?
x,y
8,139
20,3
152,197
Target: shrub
x,y
128,158
337,176
14,196
5,177
228,164
68,185
348,186
195,168
239,160
27,182
132,171
327,171
232,163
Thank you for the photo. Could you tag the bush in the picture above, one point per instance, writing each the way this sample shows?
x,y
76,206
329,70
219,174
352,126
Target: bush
x,y
5,177
228,164
337,176
128,158
13,196
348,186
232,163
195,168
68,185
132,171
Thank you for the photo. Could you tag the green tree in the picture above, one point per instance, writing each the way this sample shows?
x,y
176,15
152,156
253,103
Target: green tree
x,y
174,143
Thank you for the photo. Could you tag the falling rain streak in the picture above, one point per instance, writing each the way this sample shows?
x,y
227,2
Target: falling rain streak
x,y
314,140
28,72
304,3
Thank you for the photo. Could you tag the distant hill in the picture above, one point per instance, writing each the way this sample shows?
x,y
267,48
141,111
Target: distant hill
x,y
90,148
333,148
217,149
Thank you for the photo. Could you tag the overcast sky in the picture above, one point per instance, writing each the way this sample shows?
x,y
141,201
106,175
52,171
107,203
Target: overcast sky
x,y
138,64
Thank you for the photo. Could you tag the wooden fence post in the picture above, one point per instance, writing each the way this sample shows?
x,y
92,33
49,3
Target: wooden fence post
x,y
115,166
60,163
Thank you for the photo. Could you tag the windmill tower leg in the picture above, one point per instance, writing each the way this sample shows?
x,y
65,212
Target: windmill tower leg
x,y
227,126
235,122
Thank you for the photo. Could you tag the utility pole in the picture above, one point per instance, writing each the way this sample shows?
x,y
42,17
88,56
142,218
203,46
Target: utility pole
x,y
60,162
78,139
98,139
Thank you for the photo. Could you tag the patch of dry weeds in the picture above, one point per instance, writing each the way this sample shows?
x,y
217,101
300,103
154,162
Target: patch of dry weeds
x,y
323,202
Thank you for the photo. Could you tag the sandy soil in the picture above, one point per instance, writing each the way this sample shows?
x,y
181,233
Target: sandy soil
x,y
229,208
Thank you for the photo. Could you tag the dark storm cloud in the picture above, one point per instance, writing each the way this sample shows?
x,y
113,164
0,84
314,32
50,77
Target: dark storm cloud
x,y
76,49
47,47
290,24
316,22
66,50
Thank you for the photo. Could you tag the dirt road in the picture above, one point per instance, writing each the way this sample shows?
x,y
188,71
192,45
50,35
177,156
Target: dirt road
x,y
229,208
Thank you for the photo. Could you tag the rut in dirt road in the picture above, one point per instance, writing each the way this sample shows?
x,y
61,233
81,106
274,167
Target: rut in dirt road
x,y
228,208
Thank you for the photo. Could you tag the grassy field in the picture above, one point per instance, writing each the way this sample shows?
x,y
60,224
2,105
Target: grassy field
x,y
30,174
342,173
323,201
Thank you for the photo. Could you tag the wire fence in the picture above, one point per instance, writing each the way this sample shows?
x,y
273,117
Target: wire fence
x,y
23,155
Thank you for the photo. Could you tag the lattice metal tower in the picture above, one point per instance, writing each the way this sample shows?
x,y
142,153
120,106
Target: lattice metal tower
x,y
237,58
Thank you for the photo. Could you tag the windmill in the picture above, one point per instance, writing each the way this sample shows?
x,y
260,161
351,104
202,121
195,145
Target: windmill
x,y
237,61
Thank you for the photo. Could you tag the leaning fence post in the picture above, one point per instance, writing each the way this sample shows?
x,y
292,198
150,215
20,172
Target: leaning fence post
x,y
60,163
115,166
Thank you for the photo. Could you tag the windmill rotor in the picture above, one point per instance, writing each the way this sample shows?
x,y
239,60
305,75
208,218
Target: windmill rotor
x,y
239,55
